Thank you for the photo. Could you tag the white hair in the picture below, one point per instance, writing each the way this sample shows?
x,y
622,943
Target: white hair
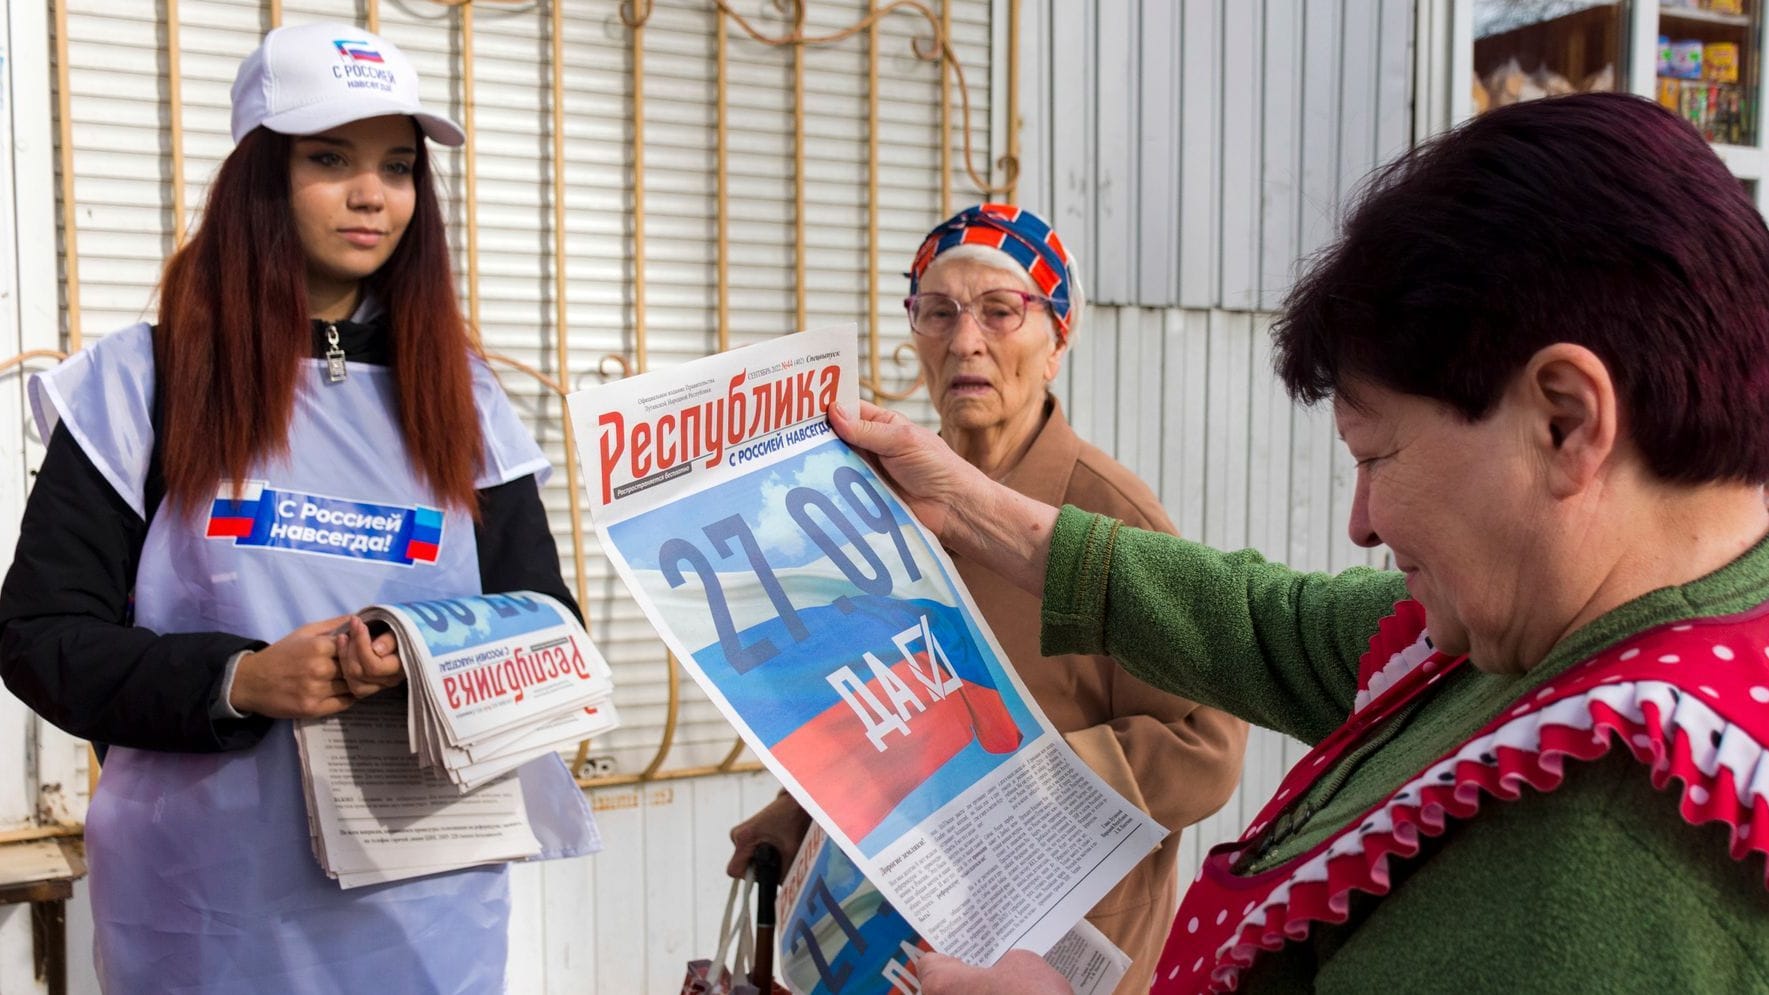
x,y
988,255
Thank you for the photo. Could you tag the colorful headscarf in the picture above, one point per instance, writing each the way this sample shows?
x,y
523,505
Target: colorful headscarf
x,y
1024,236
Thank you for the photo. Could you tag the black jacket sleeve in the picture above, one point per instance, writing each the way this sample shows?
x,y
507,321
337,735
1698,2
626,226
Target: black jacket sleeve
x,y
516,548
66,646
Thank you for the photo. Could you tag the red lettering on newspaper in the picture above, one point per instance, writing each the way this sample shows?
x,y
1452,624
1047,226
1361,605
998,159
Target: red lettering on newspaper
x,y
704,430
524,669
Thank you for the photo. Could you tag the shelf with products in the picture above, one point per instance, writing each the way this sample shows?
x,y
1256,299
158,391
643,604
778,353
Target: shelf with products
x,y
1708,59
1701,58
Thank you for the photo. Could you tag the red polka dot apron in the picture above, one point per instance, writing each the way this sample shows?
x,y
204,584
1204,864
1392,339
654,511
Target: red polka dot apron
x,y
1686,699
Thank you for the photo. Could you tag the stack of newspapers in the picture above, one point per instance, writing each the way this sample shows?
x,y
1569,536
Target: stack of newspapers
x,y
423,778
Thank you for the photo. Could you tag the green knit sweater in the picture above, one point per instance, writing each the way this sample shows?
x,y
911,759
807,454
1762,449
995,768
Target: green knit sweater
x,y
1597,886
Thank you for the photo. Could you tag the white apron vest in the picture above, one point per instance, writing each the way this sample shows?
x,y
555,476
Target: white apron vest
x,y
202,876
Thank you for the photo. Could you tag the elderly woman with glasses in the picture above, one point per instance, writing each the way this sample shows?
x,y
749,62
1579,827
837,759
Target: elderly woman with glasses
x,y
994,300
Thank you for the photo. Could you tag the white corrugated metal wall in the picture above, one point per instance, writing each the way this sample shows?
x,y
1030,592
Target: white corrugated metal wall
x,y
1191,154
1188,152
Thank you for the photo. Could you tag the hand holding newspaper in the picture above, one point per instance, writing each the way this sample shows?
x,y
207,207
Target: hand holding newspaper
x,y
422,778
496,680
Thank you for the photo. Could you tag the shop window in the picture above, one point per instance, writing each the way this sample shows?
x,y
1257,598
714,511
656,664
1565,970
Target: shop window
x,y
1708,65
1524,49
1702,59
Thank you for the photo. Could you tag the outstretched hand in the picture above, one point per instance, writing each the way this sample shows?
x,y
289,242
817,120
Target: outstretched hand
x,y
976,517
934,480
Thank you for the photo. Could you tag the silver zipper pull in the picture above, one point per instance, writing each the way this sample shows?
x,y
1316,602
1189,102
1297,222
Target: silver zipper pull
x,y
335,371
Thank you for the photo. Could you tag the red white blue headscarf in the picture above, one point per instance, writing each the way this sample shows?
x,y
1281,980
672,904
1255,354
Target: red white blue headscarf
x,y
1024,236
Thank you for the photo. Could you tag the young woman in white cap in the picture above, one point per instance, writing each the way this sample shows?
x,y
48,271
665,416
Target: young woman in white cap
x,y
307,429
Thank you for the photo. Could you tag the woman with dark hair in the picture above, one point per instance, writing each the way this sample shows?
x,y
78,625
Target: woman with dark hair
x,y
308,428
1539,744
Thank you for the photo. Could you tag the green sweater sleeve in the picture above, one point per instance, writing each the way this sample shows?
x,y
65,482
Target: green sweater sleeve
x,y
1275,646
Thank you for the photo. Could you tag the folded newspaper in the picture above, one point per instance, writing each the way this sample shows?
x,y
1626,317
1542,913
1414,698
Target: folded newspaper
x,y
838,934
422,778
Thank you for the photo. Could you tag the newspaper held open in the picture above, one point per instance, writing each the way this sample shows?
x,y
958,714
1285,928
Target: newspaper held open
x,y
833,632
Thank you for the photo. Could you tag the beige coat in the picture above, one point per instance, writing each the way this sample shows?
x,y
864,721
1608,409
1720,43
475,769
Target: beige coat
x,y
1177,759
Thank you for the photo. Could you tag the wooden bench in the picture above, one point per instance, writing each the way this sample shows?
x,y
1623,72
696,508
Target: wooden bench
x,y
42,872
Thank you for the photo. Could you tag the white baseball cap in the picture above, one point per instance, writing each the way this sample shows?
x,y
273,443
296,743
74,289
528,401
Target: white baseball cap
x,y
309,78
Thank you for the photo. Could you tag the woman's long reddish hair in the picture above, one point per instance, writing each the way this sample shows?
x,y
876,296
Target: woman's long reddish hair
x,y
234,329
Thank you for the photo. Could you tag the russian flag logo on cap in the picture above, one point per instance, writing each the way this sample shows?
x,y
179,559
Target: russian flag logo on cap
x,y
357,50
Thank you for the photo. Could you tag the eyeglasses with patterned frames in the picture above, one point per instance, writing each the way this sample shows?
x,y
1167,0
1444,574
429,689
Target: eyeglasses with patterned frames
x,y
996,312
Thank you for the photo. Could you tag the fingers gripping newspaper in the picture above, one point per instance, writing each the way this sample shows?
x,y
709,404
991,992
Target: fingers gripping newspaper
x,y
423,777
833,632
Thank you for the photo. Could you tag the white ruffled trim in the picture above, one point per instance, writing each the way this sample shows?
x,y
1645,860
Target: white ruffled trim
x,y
1399,665
1678,712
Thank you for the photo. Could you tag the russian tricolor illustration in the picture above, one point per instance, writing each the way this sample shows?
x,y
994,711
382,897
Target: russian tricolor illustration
x,y
233,517
817,735
426,535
